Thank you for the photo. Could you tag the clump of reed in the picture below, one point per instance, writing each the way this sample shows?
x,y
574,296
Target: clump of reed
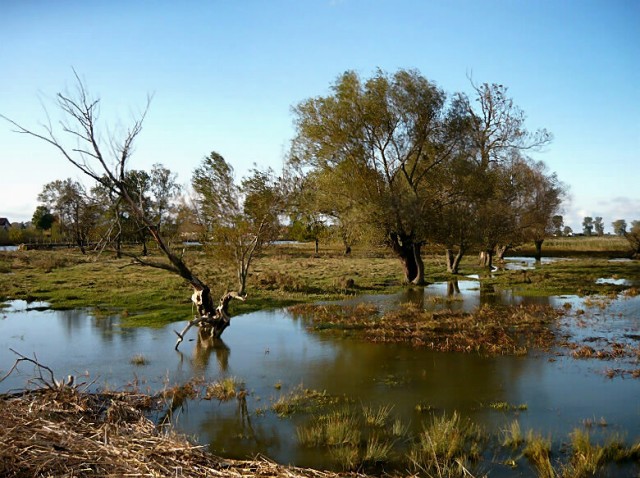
x,y
537,449
488,330
512,435
448,446
303,400
139,359
222,390
355,437
589,459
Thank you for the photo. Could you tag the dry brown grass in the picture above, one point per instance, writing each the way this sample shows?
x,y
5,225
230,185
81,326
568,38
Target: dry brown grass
x,y
67,433
488,330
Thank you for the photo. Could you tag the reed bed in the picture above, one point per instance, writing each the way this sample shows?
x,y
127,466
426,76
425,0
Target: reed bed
x,y
488,331
67,433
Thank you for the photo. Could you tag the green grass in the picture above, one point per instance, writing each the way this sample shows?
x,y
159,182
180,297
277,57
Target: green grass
x,y
222,390
447,446
283,276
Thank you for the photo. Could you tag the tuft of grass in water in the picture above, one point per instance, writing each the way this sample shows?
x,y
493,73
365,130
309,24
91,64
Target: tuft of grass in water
x,y
505,406
139,359
302,400
222,390
513,437
537,450
349,440
376,417
399,429
341,428
377,450
348,457
446,446
588,459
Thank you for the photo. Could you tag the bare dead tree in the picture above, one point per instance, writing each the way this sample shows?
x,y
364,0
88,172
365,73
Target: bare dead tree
x,y
107,164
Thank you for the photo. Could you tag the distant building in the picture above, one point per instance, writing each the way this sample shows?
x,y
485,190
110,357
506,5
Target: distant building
x,y
5,223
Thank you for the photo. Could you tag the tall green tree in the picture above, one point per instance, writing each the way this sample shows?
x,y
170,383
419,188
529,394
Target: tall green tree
x,y
541,200
633,236
75,209
619,227
598,224
42,218
238,220
587,225
385,138
496,139
558,224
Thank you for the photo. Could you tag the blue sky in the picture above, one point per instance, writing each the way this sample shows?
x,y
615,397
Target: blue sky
x,y
225,74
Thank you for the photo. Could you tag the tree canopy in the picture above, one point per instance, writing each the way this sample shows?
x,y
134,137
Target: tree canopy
x,y
415,166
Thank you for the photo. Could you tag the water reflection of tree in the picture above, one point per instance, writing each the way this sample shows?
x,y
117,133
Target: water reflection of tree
x,y
108,326
202,351
413,295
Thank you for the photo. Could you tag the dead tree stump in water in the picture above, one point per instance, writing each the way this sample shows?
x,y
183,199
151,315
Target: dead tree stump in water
x,y
212,322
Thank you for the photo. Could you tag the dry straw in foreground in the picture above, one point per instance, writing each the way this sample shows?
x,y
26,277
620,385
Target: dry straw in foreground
x,y
67,433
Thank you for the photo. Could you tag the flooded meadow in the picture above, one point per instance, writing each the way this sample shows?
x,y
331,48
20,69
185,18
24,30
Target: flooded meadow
x,y
287,378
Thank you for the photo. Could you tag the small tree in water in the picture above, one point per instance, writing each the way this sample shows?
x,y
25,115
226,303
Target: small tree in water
x,y
237,221
106,161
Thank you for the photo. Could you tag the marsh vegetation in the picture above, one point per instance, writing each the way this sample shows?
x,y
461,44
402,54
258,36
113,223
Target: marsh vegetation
x,y
361,373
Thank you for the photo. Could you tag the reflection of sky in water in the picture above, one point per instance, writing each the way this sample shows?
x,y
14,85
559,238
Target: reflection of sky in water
x,y
269,347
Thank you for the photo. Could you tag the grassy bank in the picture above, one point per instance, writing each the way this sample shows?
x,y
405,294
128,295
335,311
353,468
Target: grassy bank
x,y
284,276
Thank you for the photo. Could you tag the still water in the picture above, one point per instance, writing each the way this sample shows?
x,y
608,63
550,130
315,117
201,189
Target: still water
x,y
272,353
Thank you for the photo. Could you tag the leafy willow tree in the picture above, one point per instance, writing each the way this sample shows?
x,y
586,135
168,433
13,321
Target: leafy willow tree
x,y
75,209
418,167
237,221
619,227
598,224
542,198
633,236
557,222
587,225
42,218
496,138
385,138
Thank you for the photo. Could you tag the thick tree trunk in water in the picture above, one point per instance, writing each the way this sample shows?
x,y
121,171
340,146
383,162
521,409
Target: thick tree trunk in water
x,y
501,251
453,261
212,322
410,257
417,255
538,244
486,258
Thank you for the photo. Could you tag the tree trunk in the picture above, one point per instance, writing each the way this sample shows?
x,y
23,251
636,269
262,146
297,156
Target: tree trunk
x,y
347,247
501,251
317,246
486,258
453,261
409,253
80,243
212,322
538,254
417,256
